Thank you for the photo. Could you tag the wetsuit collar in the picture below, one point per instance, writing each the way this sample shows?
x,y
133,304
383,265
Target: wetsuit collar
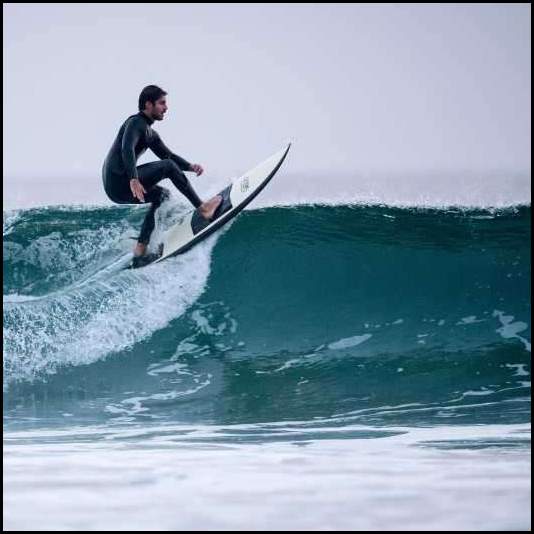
x,y
149,121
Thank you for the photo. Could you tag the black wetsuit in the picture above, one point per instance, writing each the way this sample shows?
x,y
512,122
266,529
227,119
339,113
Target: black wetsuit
x,y
134,137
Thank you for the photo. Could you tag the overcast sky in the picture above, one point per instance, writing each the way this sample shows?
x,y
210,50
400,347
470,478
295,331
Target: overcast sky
x,y
355,87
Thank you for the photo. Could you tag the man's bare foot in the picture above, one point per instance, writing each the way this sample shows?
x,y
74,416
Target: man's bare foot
x,y
207,209
140,249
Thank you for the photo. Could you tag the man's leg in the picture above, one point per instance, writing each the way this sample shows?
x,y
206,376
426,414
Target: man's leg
x,y
152,173
155,196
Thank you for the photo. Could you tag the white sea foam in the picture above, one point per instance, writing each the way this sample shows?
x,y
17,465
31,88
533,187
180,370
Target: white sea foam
x,y
10,217
520,368
511,329
348,342
84,324
471,319
15,297
149,479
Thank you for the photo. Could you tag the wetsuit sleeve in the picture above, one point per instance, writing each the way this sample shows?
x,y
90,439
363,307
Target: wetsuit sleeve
x,y
159,148
131,136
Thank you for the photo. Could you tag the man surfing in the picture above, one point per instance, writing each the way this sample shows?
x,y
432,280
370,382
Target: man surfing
x,y
125,183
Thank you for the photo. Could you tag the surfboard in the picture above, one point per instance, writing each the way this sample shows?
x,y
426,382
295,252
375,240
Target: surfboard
x,y
193,228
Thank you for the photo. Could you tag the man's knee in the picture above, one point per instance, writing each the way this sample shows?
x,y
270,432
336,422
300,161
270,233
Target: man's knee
x,y
173,171
172,168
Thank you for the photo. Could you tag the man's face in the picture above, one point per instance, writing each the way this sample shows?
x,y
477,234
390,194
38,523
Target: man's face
x,y
157,110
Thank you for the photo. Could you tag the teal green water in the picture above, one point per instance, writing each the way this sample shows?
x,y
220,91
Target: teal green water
x,y
325,315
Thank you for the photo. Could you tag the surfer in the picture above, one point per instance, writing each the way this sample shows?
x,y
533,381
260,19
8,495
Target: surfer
x,y
124,183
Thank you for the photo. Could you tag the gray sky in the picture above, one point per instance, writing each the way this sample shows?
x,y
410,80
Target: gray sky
x,y
355,87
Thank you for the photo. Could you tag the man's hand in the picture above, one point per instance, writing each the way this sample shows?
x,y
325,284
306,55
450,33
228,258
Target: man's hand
x,y
138,190
195,167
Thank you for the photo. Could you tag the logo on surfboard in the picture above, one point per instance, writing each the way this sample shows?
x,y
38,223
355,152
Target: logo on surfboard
x,y
244,185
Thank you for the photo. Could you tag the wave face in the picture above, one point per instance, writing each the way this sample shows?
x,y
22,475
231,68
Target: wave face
x,y
341,314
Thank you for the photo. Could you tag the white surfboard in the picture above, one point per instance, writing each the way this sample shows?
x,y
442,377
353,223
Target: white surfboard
x,y
193,228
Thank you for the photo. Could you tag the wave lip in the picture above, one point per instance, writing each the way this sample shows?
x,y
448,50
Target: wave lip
x,y
417,189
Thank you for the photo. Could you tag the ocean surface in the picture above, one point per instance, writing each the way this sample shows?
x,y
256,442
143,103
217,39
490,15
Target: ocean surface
x,y
320,366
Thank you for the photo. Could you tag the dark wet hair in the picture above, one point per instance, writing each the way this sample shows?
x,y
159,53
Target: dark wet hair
x,y
150,93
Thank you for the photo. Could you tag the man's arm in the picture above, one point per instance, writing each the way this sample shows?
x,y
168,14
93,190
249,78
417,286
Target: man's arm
x,y
131,136
160,149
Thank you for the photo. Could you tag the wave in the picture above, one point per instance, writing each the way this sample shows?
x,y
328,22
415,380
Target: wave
x,y
320,308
